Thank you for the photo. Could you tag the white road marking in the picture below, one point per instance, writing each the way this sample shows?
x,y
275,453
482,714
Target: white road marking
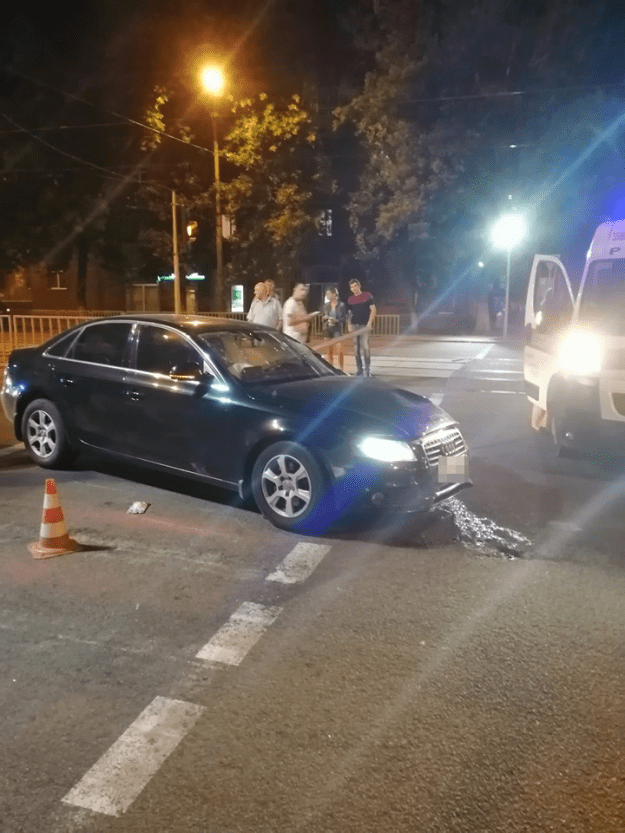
x,y
436,398
513,392
240,633
483,353
299,563
113,783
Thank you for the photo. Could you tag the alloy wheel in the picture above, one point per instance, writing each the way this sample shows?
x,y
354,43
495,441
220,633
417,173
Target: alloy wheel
x,y
42,434
286,486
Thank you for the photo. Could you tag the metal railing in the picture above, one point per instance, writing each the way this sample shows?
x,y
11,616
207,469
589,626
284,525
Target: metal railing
x,y
6,336
72,313
233,316
31,330
384,325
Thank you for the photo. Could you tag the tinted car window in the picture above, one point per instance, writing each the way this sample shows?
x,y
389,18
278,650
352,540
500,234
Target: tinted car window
x,y
262,356
60,347
102,344
161,350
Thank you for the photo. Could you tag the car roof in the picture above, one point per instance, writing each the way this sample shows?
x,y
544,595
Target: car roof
x,y
187,323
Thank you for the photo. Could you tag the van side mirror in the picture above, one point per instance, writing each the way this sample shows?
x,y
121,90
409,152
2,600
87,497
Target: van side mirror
x,y
188,372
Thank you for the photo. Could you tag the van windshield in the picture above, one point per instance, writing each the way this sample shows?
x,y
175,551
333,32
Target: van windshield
x,y
603,296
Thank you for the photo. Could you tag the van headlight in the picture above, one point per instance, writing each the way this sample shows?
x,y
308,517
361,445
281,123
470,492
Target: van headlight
x,y
385,451
580,353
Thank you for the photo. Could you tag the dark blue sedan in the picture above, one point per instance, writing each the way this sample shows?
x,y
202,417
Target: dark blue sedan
x,y
236,405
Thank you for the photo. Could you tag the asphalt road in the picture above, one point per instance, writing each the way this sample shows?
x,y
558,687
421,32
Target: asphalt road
x,y
194,670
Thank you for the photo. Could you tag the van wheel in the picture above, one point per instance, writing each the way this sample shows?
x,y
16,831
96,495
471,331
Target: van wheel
x,y
44,435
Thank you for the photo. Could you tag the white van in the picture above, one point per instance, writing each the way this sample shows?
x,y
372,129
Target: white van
x,y
574,361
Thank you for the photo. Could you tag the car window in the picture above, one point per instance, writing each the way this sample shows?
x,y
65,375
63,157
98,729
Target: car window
x,y
160,350
59,348
262,356
552,301
102,344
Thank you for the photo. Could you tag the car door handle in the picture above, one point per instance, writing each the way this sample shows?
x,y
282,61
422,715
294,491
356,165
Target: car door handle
x,y
135,395
67,381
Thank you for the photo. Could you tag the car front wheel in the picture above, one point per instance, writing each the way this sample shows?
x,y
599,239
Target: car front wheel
x,y
44,435
290,489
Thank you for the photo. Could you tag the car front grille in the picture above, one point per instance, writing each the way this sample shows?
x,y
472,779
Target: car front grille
x,y
446,442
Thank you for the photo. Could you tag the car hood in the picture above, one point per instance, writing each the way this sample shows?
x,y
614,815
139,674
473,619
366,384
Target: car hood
x,y
366,403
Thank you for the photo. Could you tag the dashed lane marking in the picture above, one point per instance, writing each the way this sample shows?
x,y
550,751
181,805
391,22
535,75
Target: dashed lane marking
x,y
240,633
299,563
114,782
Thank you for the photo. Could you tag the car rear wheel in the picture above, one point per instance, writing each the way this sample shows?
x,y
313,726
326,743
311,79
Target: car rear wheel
x,y
44,435
290,489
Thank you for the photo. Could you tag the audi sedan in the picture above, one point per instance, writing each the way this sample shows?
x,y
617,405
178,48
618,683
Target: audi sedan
x,y
237,405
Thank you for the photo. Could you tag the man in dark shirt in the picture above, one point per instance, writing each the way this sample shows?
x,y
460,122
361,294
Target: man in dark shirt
x,y
361,314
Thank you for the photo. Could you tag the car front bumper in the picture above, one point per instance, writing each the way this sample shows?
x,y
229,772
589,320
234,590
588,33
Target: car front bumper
x,y
8,396
405,488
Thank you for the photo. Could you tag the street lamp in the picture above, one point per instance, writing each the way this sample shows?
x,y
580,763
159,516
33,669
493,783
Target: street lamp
x,y
213,82
506,234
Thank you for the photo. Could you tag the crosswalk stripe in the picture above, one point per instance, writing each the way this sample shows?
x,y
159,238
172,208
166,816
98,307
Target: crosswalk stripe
x,y
241,632
299,563
113,783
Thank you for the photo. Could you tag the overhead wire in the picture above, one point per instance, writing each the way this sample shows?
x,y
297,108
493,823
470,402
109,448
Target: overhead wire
x,y
103,109
41,141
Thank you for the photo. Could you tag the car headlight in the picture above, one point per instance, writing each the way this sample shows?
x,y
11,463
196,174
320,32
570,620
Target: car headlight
x,y
386,451
580,353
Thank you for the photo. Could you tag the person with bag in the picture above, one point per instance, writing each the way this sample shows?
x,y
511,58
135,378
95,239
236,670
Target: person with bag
x,y
334,316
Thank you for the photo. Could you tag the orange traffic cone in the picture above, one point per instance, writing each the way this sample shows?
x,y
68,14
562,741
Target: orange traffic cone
x,y
53,538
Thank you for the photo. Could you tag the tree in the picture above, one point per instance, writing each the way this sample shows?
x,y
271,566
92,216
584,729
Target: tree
x,y
460,107
272,149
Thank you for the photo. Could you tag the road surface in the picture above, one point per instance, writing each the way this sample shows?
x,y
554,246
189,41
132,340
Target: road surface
x,y
194,669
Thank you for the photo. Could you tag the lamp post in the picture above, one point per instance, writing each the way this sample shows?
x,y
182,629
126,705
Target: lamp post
x,y
213,82
506,234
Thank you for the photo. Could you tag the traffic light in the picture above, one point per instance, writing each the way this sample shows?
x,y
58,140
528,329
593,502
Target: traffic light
x,y
191,231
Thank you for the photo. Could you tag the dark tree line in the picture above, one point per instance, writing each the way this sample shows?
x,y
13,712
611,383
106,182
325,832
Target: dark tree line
x,y
452,109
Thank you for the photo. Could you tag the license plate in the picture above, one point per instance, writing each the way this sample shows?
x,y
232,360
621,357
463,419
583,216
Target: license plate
x,y
453,469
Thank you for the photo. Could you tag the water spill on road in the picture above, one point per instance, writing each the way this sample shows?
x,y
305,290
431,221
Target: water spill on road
x,y
481,535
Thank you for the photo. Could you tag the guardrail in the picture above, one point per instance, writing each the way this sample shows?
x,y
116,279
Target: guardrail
x,y
384,325
6,336
233,316
31,330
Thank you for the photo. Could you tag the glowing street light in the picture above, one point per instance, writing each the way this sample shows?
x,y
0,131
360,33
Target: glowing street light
x,y
213,81
506,234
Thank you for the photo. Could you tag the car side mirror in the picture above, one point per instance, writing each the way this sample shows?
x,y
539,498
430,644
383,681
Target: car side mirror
x,y
188,372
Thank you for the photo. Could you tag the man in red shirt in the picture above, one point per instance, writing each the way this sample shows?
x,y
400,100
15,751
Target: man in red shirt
x,y
361,314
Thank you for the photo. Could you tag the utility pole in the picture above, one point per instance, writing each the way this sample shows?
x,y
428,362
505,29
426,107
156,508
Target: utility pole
x,y
178,306
219,287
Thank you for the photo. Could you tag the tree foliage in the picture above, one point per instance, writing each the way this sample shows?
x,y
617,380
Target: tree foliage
x,y
461,106
271,146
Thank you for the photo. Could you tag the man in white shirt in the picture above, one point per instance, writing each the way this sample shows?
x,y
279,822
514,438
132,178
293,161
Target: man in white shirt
x,y
294,316
271,291
264,309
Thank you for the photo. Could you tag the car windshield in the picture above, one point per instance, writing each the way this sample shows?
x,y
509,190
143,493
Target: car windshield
x,y
603,297
261,356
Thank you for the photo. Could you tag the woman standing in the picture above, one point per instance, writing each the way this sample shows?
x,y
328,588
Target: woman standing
x,y
334,314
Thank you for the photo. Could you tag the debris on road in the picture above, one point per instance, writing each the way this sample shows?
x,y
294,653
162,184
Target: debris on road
x,y
139,507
